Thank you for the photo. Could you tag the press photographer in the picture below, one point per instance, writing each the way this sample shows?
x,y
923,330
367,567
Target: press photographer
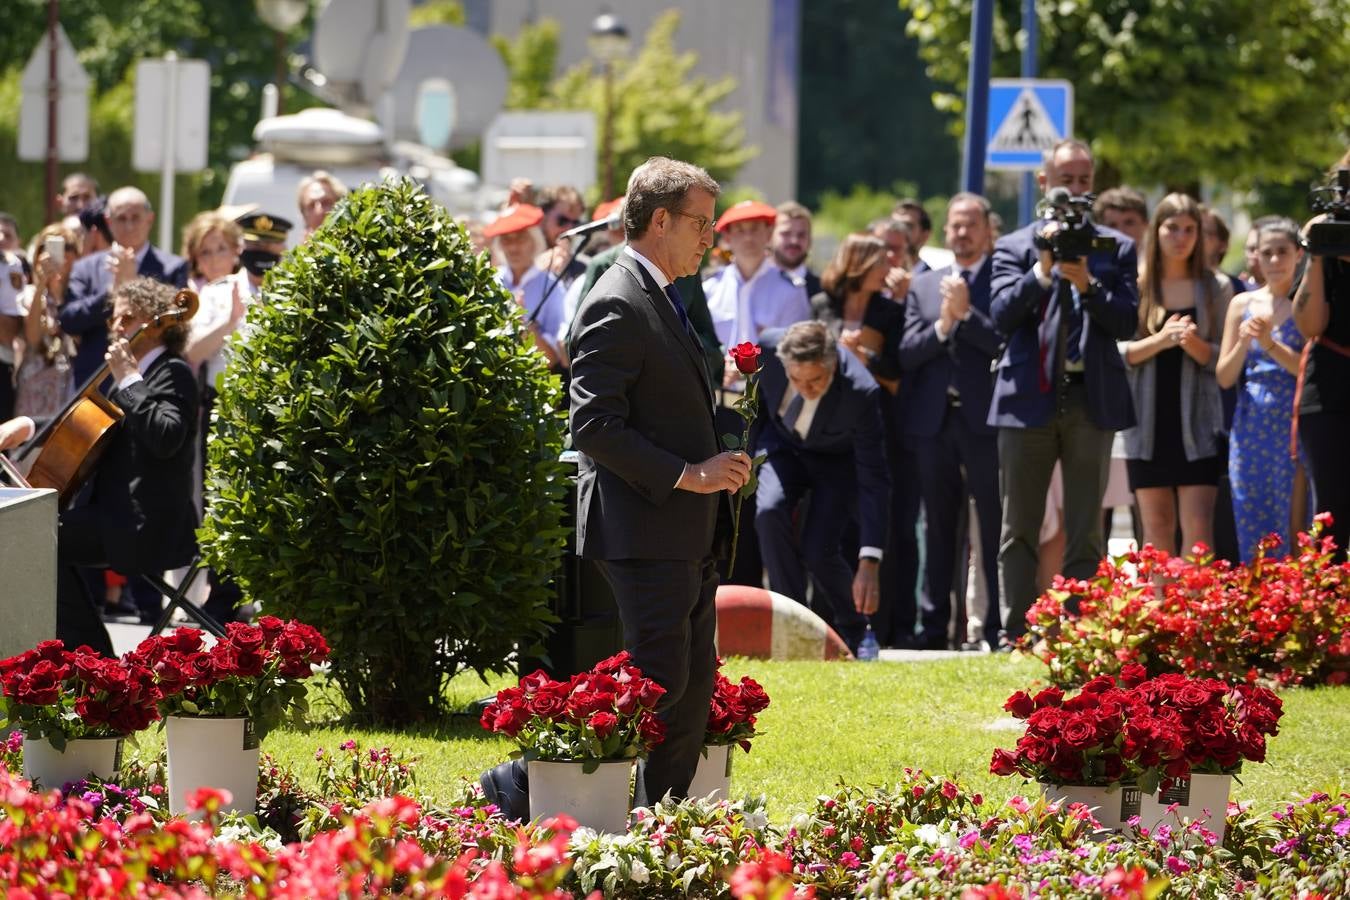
x,y
1322,313
1064,291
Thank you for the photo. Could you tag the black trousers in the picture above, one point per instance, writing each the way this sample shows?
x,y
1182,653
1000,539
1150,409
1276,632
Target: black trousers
x,y
79,542
1325,436
669,614
955,464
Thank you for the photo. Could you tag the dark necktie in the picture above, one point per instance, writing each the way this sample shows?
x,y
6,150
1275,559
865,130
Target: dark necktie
x,y
673,294
793,412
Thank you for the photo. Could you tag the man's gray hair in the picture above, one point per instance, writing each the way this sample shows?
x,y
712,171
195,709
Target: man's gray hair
x,y
660,183
808,342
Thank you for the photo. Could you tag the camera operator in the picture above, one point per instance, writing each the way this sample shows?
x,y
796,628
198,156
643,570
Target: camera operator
x,y
1064,291
1322,402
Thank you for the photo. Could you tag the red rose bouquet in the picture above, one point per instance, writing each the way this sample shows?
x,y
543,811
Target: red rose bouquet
x,y
745,357
255,671
1133,729
606,713
60,695
731,715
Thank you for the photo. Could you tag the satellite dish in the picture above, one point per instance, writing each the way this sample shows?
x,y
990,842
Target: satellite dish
x,y
468,62
435,113
359,46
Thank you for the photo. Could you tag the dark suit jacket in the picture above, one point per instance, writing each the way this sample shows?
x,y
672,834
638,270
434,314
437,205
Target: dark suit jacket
x,y
846,432
84,314
143,484
963,361
642,407
695,306
1024,393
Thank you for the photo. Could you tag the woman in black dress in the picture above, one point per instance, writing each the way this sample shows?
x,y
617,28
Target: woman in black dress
x,y
1172,454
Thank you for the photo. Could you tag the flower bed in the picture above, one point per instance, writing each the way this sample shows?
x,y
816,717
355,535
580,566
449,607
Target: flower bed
x,y
922,836
1284,620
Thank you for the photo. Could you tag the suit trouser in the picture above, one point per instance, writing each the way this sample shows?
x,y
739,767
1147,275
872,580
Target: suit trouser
x,y
1324,436
79,542
669,614
1026,461
954,464
783,480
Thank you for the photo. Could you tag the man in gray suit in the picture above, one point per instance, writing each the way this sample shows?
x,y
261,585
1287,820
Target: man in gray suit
x,y
652,483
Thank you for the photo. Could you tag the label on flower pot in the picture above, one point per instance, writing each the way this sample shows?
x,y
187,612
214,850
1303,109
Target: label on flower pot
x,y
1129,801
1176,790
251,741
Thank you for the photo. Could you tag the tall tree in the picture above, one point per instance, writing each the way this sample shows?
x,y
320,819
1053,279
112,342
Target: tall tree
x,y
660,106
867,113
1234,91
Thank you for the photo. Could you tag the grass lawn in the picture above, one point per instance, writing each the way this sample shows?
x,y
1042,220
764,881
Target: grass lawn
x,y
862,724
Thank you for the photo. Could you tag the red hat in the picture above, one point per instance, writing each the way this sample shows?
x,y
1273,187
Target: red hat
x,y
747,211
607,209
515,218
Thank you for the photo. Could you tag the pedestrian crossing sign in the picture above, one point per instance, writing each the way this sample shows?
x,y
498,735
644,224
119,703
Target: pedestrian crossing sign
x,y
1027,116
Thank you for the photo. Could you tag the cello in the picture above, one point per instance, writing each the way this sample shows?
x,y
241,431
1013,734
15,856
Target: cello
x,y
74,440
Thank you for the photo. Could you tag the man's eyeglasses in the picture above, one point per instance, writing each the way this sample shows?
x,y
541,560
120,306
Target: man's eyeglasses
x,y
702,223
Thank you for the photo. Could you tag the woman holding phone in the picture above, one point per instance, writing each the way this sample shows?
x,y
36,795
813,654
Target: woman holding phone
x,y
44,380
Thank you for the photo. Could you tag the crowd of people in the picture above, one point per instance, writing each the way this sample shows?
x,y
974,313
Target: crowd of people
x,y
944,429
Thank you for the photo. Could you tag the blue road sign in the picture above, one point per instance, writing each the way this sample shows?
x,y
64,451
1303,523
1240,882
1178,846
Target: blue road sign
x,y
1027,116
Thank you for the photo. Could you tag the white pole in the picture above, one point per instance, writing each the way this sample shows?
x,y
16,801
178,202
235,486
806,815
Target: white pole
x,y
166,170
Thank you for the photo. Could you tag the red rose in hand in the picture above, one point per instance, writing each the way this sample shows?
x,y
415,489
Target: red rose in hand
x,y
746,357
603,724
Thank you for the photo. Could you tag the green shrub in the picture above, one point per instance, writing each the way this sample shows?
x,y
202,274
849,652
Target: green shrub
x,y
384,455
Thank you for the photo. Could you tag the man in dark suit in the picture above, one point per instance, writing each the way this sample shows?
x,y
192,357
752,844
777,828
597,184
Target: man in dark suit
x,y
820,424
140,516
84,314
652,483
948,345
1060,392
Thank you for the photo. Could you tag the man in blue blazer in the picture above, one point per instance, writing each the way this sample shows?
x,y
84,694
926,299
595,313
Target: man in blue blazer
x,y
820,424
1060,392
948,345
84,314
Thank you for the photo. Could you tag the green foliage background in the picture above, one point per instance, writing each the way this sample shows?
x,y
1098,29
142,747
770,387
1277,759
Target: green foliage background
x,y
384,462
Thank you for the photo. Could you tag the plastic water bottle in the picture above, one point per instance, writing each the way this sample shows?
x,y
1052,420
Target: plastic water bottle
x,y
868,649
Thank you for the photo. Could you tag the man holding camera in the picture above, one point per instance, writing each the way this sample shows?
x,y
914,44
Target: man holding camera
x,y
1063,292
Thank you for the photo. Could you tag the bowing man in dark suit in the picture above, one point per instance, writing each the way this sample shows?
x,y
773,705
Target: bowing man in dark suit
x,y
652,483
84,314
820,424
140,515
1060,392
948,345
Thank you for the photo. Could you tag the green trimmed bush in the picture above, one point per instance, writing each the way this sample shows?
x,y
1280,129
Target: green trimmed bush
x,y
383,462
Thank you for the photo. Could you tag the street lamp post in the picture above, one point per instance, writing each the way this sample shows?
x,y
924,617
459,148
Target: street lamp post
x,y
281,16
609,43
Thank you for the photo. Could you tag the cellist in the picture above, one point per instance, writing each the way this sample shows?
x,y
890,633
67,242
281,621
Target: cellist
x,y
139,515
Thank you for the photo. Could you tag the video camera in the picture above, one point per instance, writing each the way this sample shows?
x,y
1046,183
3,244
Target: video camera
x,y
1076,238
1331,236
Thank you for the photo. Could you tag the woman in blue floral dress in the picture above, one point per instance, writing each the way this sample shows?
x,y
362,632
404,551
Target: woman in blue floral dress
x,y
1260,353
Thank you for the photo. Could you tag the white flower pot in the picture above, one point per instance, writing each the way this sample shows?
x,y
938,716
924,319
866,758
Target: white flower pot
x,y
598,800
51,768
712,778
1112,807
211,752
1200,798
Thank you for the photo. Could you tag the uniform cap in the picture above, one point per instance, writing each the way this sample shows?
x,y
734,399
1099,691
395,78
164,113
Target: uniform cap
x,y
746,211
516,218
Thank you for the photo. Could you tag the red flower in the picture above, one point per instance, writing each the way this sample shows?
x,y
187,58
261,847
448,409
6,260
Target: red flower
x,y
746,357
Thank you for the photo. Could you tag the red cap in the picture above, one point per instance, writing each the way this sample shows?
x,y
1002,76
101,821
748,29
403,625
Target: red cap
x,y
515,218
747,211
607,209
